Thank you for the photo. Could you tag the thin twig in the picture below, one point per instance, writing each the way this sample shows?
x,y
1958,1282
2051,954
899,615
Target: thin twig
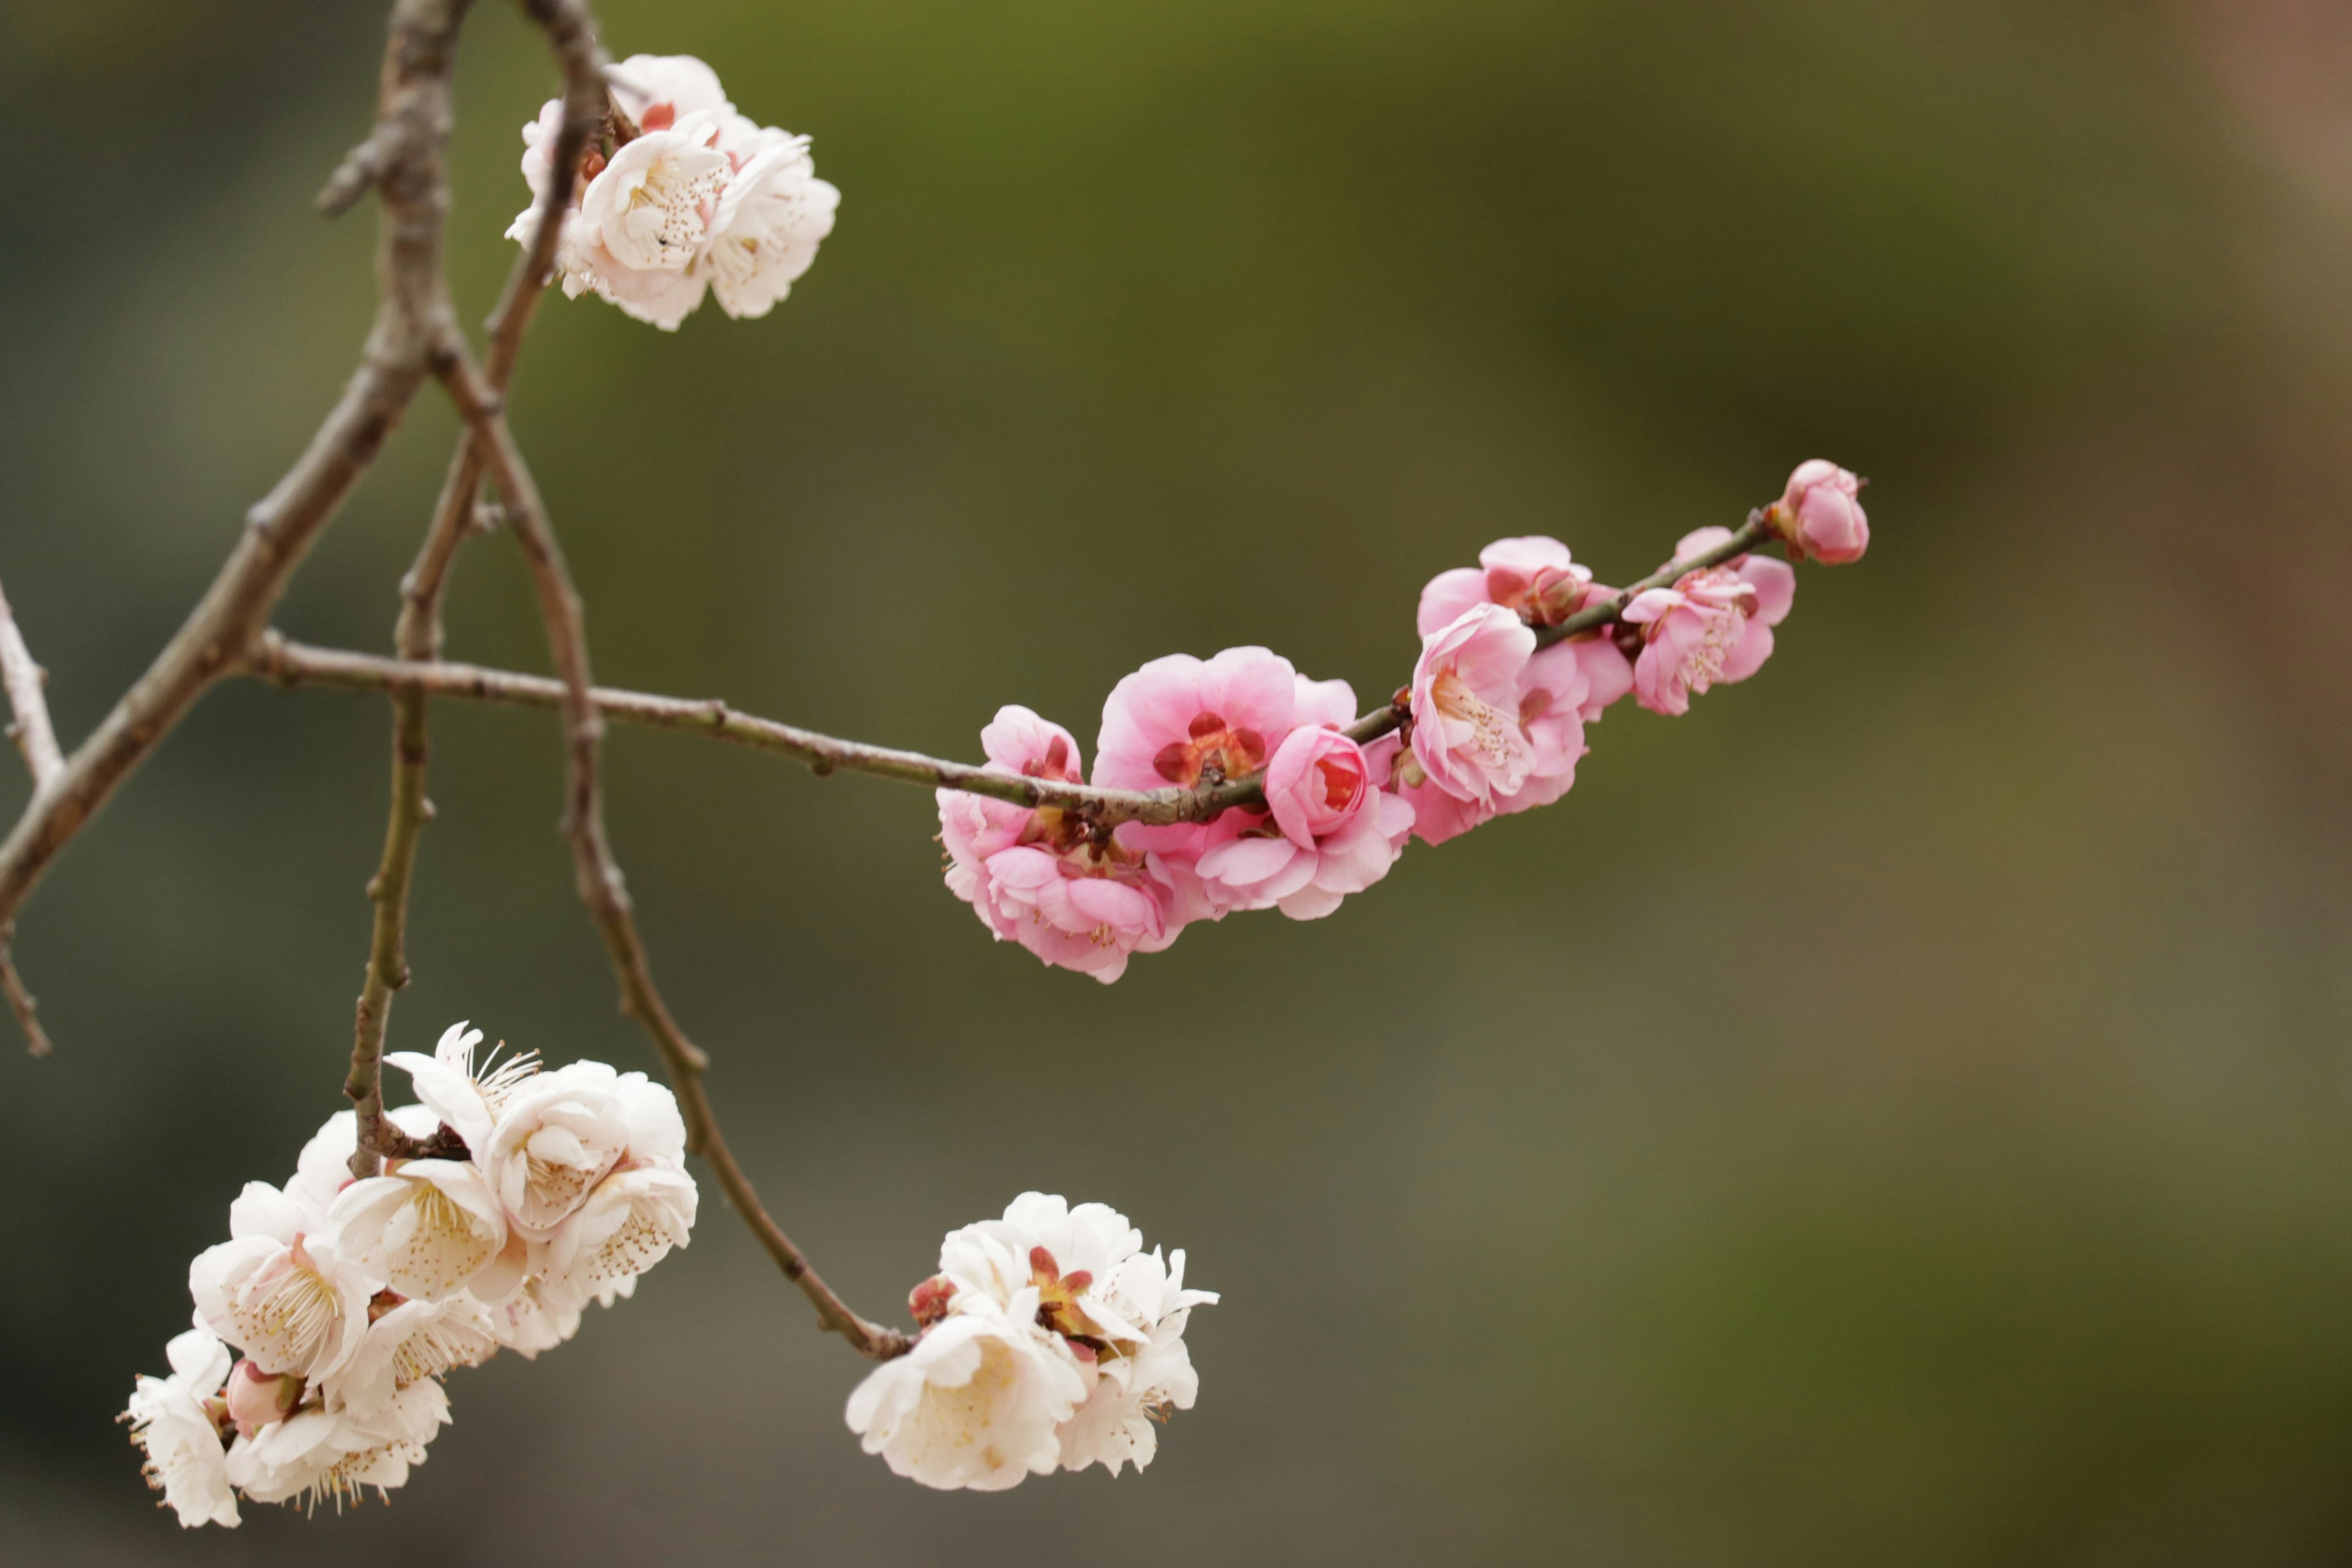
x,y
1755,531
414,116
289,663
20,1000
602,887
418,632
23,680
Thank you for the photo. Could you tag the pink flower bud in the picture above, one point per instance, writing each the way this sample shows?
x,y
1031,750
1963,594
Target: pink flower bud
x,y
928,1301
1821,514
257,1398
1316,783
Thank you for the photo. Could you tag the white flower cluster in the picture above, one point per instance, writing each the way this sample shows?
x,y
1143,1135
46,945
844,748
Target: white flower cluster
x,y
683,197
1050,1341
351,1299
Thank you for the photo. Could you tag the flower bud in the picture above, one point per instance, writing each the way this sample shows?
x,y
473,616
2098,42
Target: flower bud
x,y
928,1301
257,1398
1820,515
1317,780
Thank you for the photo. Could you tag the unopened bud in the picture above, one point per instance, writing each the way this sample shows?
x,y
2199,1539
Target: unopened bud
x,y
257,1398
1557,596
1820,515
928,1301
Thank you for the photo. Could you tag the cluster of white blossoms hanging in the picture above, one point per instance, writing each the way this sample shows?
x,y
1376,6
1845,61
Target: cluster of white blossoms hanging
x,y
680,196
349,1298
1050,1341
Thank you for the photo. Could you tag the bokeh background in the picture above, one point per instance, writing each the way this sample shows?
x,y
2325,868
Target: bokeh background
x,y
1897,1114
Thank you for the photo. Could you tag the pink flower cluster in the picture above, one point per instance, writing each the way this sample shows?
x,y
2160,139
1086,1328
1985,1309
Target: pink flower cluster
x,y
1493,723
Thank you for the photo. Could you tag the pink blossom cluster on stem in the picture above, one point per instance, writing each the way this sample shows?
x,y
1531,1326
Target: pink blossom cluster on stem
x,y
1492,724
1050,1341
324,1325
681,196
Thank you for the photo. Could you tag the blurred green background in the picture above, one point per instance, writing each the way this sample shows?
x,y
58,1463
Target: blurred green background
x,y
1895,1115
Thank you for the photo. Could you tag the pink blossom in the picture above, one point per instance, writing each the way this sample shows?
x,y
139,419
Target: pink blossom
x,y
1714,624
1178,721
1039,876
1532,576
1178,717
1820,515
1535,577
1330,830
1556,701
1466,703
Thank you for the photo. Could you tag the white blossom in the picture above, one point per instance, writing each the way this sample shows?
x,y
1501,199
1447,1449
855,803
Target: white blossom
x,y
685,84
772,216
430,1228
976,1403
319,1452
630,1222
325,1168
407,1344
290,1300
456,1089
557,1136
1069,1286
702,198
169,1420
1134,1383
1066,1253
531,1320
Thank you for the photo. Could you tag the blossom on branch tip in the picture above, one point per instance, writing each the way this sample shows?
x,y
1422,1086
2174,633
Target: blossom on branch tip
x,y
689,197
1820,515
1050,1338
1715,625
173,1422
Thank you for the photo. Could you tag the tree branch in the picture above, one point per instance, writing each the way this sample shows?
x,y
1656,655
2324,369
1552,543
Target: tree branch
x,y
418,632
276,657
20,1000
289,663
413,117
602,887
24,678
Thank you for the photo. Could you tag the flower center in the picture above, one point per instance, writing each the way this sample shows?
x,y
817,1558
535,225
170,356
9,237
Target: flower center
x,y
292,1315
1342,782
1490,727
1210,743
1057,1296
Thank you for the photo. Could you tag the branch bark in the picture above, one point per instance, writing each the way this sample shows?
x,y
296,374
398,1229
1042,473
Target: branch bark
x,y
290,663
32,732
20,1000
601,884
413,122
418,632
